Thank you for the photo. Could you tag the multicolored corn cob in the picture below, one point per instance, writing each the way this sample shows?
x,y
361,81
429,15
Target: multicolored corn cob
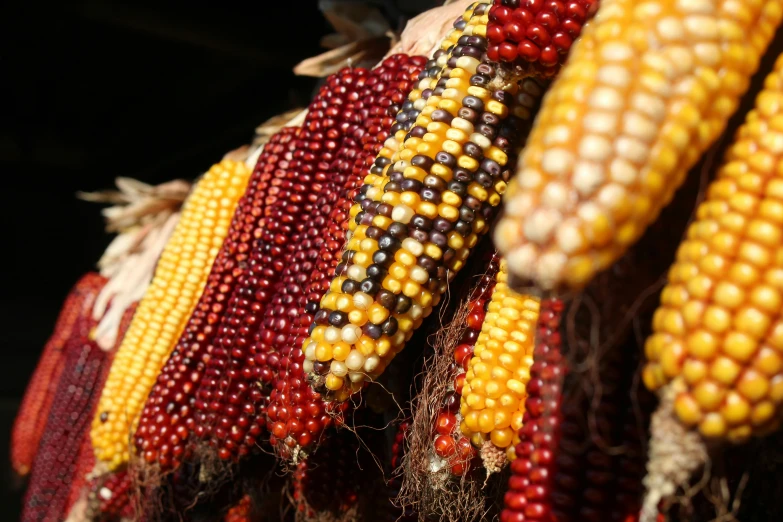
x,y
180,277
414,224
37,401
531,483
647,89
296,415
170,407
536,35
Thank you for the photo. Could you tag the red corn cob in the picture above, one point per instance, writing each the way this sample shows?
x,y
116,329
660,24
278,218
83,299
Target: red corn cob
x,y
531,482
113,497
171,403
240,512
34,409
296,414
84,369
536,35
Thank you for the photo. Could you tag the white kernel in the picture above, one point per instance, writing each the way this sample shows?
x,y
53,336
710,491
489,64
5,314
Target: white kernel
x,y
357,272
402,214
521,204
557,135
611,195
541,224
522,260
468,63
356,376
681,59
696,6
588,177
507,233
362,301
401,165
371,363
453,94
419,275
307,366
530,179
339,369
424,84
702,26
414,247
647,10
390,143
614,75
556,195
671,28
420,104
631,149
105,493
374,193
463,125
595,148
659,63
589,212
415,311
616,51
481,140
569,238
355,360
622,171
605,98
332,335
557,161
638,126
707,53
600,122
549,269
351,333
652,106
310,351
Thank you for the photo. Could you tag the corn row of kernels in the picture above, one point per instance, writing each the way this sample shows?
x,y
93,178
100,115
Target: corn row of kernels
x,y
415,224
493,398
179,279
719,329
647,88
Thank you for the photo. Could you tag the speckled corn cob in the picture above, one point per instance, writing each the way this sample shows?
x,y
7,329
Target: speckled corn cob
x,y
647,88
415,223
718,333
493,398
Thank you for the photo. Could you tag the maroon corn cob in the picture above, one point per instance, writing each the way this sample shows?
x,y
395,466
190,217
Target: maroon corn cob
x,y
296,414
536,35
170,407
531,483
37,401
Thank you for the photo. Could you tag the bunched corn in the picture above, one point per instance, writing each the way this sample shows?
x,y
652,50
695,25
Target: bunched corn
x,y
493,398
718,334
414,224
647,88
161,315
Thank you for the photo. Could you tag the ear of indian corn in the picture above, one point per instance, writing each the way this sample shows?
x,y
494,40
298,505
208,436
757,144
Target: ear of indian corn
x,y
493,397
718,333
171,403
414,224
39,395
647,88
535,36
161,315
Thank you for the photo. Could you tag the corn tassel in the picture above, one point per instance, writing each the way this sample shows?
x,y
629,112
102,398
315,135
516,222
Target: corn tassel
x,y
647,89
716,353
493,397
37,401
414,224
161,315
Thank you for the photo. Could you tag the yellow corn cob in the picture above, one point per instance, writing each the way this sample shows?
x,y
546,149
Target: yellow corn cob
x,y
179,279
493,397
647,88
719,329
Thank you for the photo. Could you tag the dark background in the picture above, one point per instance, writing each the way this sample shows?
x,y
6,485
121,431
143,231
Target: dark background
x,y
91,90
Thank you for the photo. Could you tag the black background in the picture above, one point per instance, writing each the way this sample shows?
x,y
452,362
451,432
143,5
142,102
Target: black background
x,y
91,90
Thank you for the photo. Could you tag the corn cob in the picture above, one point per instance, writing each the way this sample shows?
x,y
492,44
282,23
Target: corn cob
x,y
171,403
85,366
493,397
241,512
113,497
413,225
536,35
179,279
448,442
648,87
296,415
530,485
715,352
37,401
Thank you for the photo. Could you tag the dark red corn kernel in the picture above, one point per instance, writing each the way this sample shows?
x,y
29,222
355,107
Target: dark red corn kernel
x,y
535,36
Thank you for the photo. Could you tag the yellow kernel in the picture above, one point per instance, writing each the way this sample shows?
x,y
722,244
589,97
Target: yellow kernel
x,y
709,395
377,313
702,345
366,346
752,322
762,413
725,370
323,352
712,426
334,382
752,385
687,409
502,438
486,420
735,409
340,351
357,317
739,346
694,370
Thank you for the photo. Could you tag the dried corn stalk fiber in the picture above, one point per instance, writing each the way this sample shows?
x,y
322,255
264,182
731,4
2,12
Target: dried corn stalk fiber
x,y
172,401
535,36
415,223
647,88
296,415
37,401
179,279
715,357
